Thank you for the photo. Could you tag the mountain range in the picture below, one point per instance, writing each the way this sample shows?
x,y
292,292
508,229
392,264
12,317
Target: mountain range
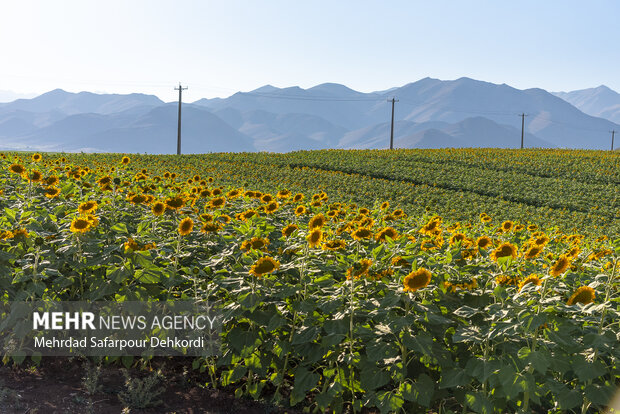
x,y
602,102
429,113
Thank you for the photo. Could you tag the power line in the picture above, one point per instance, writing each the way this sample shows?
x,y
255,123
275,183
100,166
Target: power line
x,y
180,89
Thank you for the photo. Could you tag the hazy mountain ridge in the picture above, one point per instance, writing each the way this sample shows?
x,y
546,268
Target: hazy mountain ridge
x,y
430,113
601,102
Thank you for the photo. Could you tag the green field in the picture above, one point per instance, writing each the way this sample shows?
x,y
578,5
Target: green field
x,y
398,281
575,190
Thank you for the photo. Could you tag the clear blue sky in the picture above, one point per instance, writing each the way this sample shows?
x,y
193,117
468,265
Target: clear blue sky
x,y
220,47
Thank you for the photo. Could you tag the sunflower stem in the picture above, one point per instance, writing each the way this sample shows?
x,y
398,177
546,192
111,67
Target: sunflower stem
x,y
290,339
586,404
351,368
403,349
79,257
177,254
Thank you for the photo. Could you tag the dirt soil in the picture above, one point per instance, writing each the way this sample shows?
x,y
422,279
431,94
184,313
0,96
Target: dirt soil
x,y
56,387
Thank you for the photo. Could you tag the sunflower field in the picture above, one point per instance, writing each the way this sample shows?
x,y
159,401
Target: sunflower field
x,y
448,281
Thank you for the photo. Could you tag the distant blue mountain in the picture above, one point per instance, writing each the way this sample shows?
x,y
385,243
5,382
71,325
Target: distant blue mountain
x,y
430,113
601,101
83,102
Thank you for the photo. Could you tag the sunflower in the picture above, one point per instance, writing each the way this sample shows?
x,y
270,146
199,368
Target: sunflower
x,y
486,219
299,210
359,269
204,193
387,232
530,279
532,251
333,214
87,207
283,194
398,213
94,221
125,160
385,205
20,233
417,280
248,214
210,228
507,226
366,222
205,218
315,237
51,180
457,238
272,207
80,225
298,197
317,221
334,245
36,157
35,176
174,203
362,233
137,199
217,202
583,295
504,250
17,169
431,228
256,243
264,265
506,280
288,230
158,208
560,266
51,192
233,194
104,180
454,227
266,198
575,238
186,226
540,240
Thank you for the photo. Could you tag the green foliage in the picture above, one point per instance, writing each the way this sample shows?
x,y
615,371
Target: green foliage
x,y
141,393
346,328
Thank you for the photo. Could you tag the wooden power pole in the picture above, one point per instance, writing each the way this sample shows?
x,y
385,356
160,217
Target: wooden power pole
x,y
180,89
392,128
613,132
523,115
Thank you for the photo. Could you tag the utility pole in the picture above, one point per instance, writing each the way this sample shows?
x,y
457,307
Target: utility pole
x,y
523,115
392,129
180,89
613,132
